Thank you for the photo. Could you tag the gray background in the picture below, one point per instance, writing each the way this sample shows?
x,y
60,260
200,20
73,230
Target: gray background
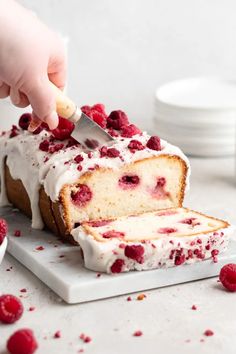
x,y
121,51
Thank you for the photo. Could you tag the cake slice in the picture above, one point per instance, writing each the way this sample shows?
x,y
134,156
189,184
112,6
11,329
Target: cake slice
x,y
158,239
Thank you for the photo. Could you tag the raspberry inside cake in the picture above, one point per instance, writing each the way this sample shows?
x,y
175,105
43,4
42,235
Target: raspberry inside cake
x,y
164,238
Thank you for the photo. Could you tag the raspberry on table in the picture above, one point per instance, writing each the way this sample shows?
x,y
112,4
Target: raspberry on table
x,y
3,230
117,120
24,121
11,308
228,277
22,342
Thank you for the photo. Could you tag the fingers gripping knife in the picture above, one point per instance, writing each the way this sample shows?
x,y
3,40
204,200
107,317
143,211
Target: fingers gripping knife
x,y
86,131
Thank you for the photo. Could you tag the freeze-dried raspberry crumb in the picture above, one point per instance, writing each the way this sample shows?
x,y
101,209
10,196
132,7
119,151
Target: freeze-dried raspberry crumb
x,y
24,121
135,145
154,143
39,248
117,266
112,152
129,131
135,252
208,332
31,308
22,342
64,129
44,145
214,252
179,259
112,234
24,290
14,131
57,334
129,298
3,230
98,275
167,230
85,338
138,333
194,307
141,297
82,196
79,158
17,233
79,168
11,308
117,120
228,276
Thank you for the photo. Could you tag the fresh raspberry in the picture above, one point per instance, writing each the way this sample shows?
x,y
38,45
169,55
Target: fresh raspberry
x,y
135,252
22,342
138,333
135,145
117,120
11,308
44,145
24,121
17,233
166,230
112,234
228,276
208,332
14,131
117,266
129,182
79,158
113,153
55,148
129,131
64,129
82,196
86,110
154,143
99,107
3,230
98,118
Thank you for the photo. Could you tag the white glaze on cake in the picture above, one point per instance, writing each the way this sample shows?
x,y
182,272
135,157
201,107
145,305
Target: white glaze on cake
x,y
3,248
192,242
27,163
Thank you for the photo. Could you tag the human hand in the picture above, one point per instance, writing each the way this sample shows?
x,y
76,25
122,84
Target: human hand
x,y
31,56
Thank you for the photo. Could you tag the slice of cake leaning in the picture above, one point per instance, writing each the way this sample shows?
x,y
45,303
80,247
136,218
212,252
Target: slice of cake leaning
x,y
165,238
51,178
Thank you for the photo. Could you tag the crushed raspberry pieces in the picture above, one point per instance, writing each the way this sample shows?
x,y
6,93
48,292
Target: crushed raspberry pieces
x,y
194,307
117,266
11,308
138,334
129,131
154,143
24,290
22,342
14,131
39,248
64,129
214,252
79,158
179,259
113,234
85,339
57,334
228,277
82,196
24,121
117,120
135,252
129,181
3,230
113,132
166,230
55,148
135,145
109,152
208,333
129,298
99,223
79,168
44,145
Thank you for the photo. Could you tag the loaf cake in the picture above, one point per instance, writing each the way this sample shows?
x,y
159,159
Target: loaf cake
x,y
164,238
51,178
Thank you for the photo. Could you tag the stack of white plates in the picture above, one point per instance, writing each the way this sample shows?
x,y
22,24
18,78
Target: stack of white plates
x,y
198,115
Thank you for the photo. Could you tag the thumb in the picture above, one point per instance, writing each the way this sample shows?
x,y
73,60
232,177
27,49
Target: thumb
x,y
42,99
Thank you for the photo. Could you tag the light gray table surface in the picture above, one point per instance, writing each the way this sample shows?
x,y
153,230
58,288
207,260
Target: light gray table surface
x,y
164,316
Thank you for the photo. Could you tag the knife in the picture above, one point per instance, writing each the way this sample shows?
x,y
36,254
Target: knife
x,y
86,131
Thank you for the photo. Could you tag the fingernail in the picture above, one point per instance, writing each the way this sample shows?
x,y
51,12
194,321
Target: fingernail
x,y
34,124
15,96
52,120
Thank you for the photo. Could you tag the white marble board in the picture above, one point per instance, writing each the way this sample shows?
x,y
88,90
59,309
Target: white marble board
x,y
61,267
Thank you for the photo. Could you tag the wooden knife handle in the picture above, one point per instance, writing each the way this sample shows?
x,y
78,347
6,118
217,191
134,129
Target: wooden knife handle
x,y
65,107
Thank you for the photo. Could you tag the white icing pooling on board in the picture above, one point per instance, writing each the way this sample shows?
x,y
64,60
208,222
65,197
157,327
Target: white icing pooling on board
x,y
27,163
